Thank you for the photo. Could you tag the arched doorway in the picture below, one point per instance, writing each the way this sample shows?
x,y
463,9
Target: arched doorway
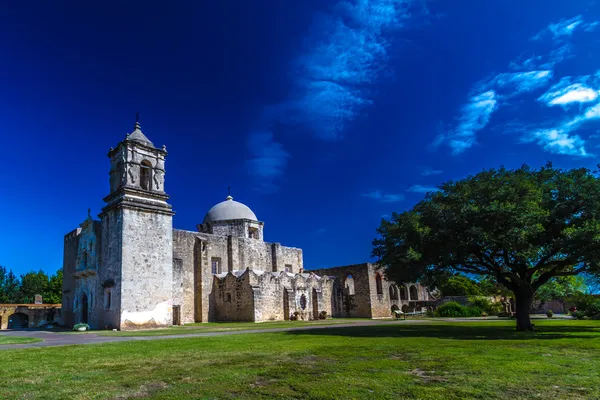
x,y
414,293
315,301
286,305
84,309
18,321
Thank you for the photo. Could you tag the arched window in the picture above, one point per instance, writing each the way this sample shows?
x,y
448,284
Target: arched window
x,y
349,285
393,292
414,293
403,295
146,175
379,283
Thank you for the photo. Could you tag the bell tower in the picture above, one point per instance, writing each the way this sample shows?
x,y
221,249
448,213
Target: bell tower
x,y
137,229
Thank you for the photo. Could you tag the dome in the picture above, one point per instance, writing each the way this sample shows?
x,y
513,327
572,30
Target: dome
x,y
229,210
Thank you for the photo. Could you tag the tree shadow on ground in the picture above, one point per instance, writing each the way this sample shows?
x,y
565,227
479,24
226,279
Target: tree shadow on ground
x,y
458,332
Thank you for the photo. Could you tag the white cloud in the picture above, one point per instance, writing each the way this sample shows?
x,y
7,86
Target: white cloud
x,y
559,142
580,89
384,198
421,189
575,93
565,28
475,115
520,82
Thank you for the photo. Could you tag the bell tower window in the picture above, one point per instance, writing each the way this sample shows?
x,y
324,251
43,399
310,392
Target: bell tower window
x,y
146,175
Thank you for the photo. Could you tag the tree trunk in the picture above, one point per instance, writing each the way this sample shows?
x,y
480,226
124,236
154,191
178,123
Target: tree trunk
x,y
523,300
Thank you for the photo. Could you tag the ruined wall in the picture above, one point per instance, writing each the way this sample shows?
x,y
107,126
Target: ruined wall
x,y
357,305
260,296
70,246
254,254
234,298
38,315
147,269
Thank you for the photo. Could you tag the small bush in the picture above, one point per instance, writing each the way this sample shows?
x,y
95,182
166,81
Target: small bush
x,y
429,313
451,309
473,311
77,327
323,315
549,313
485,305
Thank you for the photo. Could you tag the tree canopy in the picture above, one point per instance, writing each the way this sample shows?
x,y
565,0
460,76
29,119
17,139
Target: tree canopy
x,y
459,285
519,228
22,290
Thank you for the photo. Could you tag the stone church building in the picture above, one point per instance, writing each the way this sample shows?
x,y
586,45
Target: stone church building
x,y
130,269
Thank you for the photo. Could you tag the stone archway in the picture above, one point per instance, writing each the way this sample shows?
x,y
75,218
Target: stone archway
x,y
18,321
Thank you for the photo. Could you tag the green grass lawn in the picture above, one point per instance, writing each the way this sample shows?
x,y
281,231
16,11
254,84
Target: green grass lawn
x,y
17,340
223,326
437,360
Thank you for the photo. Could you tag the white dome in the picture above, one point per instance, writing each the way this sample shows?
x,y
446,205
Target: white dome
x,y
229,210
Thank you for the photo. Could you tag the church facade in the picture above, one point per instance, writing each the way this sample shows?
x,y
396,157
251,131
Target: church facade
x,y
130,269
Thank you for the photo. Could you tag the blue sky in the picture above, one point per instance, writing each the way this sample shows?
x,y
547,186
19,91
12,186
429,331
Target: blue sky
x,y
323,116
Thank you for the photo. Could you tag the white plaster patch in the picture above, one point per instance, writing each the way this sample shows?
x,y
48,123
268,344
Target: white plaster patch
x,y
161,315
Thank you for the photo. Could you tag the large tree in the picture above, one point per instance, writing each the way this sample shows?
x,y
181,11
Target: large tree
x,y
519,228
9,286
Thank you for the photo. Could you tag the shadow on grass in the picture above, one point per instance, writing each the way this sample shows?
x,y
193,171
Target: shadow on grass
x,y
459,332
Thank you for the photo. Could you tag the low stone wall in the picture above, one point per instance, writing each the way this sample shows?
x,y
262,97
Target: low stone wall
x,y
29,315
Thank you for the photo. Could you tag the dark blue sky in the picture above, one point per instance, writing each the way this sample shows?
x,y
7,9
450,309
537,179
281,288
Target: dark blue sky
x,y
323,116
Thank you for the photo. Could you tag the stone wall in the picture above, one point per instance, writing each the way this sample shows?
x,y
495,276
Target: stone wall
x,y
356,292
147,269
38,315
260,296
184,278
71,244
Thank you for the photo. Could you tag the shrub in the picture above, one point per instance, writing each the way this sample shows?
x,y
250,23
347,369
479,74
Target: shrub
x,y
78,327
451,309
587,305
323,315
429,313
549,313
485,305
578,314
473,311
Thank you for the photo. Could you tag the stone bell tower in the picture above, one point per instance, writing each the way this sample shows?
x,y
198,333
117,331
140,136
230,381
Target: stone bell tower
x,y
137,229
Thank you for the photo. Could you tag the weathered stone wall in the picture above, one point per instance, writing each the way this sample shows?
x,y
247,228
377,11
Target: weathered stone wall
x,y
357,305
110,269
38,315
259,296
147,269
184,279
289,256
71,244
366,302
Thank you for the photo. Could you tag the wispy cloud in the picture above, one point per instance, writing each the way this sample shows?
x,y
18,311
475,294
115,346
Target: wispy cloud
x,y
533,72
559,141
565,28
383,197
268,159
430,172
573,90
421,189
344,54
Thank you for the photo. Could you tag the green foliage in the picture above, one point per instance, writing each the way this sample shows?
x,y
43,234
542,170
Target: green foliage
x,y
519,228
562,287
452,309
77,327
586,304
15,291
549,313
485,304
9,287
459,285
